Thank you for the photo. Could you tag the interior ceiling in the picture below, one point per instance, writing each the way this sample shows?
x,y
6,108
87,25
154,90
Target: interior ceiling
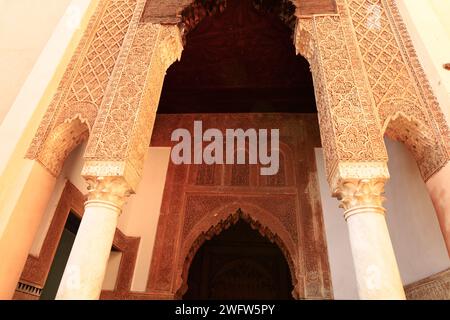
x,y
239,60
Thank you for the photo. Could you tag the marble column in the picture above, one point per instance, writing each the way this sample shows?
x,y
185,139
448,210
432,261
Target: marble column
x,y
85,270
439,189
376,268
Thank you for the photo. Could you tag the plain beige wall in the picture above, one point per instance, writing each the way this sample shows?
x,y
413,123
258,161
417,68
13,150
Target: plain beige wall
x,y
25,28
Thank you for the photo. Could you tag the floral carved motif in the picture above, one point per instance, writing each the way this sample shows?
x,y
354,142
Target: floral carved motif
x,y
81,90
112,190
406,106
367,82
349,123
435,287
122,133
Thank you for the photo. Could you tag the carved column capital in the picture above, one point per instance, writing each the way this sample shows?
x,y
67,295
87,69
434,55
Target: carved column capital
x,y
361,195
113,191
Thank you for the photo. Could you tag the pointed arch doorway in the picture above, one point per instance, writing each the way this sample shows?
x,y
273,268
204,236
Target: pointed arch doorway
x,y
239,264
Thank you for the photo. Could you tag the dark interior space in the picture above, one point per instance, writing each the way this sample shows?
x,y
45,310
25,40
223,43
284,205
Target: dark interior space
x,y
239,264
241,59
61,257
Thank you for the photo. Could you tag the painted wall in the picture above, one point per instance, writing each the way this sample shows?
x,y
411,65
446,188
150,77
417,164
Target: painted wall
x,y
418,243
25,28
24,116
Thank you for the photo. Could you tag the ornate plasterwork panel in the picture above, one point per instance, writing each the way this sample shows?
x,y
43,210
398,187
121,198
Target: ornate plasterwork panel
x,y
81,90
406,106
122,132
349,124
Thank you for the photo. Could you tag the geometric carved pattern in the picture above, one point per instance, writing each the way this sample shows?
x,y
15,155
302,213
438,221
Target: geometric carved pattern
x,y
92,77
122,132
407,113
348,120
81,89
287,211
365,85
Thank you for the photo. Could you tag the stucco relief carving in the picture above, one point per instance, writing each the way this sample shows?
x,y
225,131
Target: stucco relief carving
x,y
60,142
344,67
81,90
290,210
398,83
349,124
121,135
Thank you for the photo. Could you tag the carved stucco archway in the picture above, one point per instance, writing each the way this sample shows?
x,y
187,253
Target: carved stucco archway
x,y
114,80
220,220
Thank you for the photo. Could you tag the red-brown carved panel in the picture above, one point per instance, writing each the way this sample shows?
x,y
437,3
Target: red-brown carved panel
x,y
200,201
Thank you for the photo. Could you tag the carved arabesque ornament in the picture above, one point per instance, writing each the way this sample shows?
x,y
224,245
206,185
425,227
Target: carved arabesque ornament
x,y
121,134
385,68
408,110
81,90
349,125
367,80
224,224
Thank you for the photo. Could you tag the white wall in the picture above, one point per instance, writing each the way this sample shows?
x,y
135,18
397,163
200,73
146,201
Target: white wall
x,y
417,240
25,28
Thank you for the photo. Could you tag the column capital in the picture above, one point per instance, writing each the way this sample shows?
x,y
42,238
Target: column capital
x,y
361,195
113,191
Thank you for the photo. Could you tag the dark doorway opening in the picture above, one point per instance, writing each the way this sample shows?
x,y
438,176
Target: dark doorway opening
x,y
61,257
239,264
